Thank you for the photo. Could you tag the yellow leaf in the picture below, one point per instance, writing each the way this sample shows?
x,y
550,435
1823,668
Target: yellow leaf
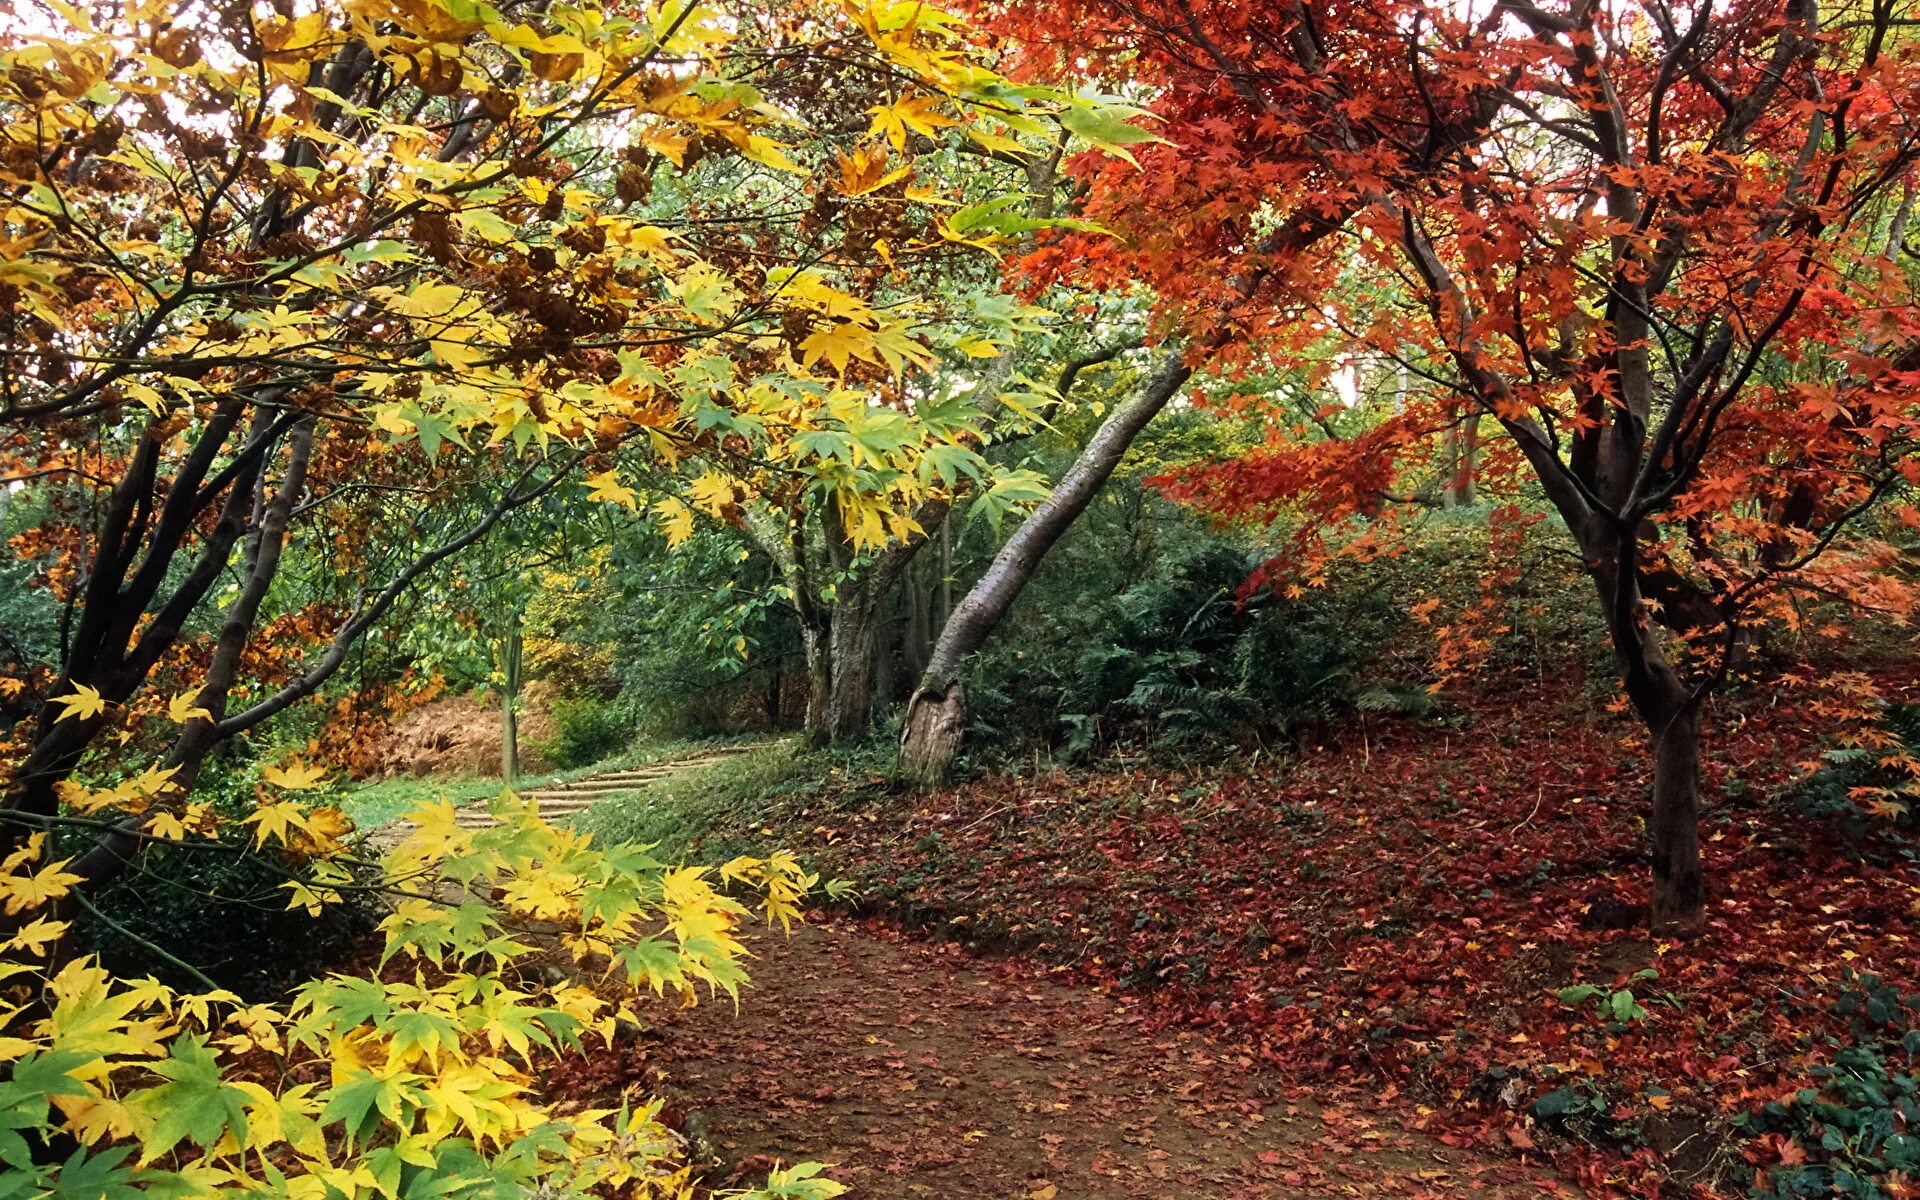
x,y
274,822
182,709
43,931
607,488
711,493
914,113
297,776
81,798
23,892
166,825
838,344
83,702
676,521
150,782
994,141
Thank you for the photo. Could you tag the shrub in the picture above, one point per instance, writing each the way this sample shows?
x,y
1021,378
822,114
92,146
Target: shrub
x,y
586,729
1858,1123
416,1077
1140,628
1870,776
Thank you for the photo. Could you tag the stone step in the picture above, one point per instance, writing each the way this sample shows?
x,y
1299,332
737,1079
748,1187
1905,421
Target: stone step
x,y
588,785
564,799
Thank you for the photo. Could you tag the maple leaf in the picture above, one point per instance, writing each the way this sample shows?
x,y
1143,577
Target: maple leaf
x,y
915,113
83,702
839,345
865,171
297,776
711,493
276,822
182,709
35,936
676,520
606,488
23,892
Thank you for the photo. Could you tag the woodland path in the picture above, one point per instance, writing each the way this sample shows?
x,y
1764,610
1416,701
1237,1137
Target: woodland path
x,y
564,799
922,1072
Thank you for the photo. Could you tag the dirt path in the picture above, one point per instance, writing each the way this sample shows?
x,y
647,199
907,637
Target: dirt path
x,y
920,1072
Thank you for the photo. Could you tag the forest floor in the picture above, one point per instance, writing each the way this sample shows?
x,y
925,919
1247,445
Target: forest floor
x,y
919,1071
1435,923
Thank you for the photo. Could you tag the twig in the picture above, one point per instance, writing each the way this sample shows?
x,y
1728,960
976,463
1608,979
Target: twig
x,y
1537,796
160,952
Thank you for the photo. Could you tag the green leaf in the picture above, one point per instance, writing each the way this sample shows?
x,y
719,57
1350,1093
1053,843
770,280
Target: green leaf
x,y
197,1103
799,1182
1105,126
102,1177
364,1097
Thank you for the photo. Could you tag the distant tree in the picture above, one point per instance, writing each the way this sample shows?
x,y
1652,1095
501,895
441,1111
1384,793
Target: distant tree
x,y
1234,218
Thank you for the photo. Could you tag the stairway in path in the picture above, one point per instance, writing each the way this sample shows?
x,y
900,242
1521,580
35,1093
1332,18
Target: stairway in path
x,y
561,800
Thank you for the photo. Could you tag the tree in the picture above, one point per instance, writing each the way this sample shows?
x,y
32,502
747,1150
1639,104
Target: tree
x,y
1233,220
265,262
1671,275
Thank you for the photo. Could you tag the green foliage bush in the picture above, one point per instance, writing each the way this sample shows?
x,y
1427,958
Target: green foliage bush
x,y
1858,1121
1138,629
223,913
226,915
586,729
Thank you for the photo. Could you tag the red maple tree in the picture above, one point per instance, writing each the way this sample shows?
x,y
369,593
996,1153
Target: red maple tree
x,y
1663,256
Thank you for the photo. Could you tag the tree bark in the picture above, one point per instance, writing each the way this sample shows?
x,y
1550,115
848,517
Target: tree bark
x,y
936,713
510,702
1669,709
1679,887
849,701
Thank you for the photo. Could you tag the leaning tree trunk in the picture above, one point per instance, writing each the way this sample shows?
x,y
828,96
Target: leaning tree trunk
x,y
937,713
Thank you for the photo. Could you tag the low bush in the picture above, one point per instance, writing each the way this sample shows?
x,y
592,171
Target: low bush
x,y
586,729
1871,778
1854,1130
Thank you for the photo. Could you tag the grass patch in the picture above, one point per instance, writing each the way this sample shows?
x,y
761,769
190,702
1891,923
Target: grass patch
x,y
713,812
375,803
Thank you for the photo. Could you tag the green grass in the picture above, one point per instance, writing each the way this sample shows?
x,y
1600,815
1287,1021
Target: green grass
x,y
376,803
706,813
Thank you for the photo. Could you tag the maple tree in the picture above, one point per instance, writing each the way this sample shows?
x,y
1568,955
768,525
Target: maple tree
x,y
420,1076
1230,216
275,266
1666,267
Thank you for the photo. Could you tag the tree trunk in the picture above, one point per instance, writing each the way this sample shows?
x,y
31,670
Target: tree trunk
x,y
930,740
1670,711
888,636
1460,452
936,714
510,702
851,696
918,641
1679,888
813,640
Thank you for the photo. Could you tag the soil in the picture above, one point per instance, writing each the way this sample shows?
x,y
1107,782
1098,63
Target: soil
x,y
920,1072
